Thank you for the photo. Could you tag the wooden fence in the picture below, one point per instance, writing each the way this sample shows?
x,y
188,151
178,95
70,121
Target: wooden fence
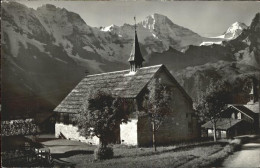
x,y
40,157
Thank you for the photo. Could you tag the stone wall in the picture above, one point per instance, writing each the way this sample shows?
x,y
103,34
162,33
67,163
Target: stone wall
x,y
179,125
128,132
71,132
144,129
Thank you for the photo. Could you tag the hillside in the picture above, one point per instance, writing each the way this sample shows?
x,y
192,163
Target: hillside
x,y
47,51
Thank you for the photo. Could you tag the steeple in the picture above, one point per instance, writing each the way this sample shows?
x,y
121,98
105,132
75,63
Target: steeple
x,y
136,58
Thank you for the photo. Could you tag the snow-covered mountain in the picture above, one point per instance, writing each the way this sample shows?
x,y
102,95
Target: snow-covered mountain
x,y
234,30
56,46
232,33
156,33
89,46
48,50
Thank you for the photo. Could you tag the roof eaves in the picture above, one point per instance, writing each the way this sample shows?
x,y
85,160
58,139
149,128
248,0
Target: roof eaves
x,y
243,112
158,70
178,85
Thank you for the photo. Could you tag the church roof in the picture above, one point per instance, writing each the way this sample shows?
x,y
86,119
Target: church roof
x,y
119,83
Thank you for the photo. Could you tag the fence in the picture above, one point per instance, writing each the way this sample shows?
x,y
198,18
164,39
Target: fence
x,y
29,157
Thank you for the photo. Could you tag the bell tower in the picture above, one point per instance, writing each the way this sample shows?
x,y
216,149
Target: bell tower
x,y
136,58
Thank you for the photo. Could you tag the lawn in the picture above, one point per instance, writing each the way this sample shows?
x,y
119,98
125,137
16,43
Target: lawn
x,y
147,158
182,155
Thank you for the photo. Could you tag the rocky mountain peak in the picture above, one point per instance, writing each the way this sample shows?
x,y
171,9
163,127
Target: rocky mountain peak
x,y
58,14
255,25
235,30
48,7
155,19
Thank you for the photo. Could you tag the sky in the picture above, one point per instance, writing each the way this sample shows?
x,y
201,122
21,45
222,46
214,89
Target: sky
x,y
207,18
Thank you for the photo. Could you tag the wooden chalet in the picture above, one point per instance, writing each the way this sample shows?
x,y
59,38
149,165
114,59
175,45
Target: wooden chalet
x,y
238,119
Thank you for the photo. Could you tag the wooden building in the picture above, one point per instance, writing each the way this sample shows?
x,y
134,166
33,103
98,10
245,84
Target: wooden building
x,y
238,119
228,128
180,125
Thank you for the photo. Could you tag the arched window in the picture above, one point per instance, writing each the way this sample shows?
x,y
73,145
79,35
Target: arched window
x,y
239,116
233,115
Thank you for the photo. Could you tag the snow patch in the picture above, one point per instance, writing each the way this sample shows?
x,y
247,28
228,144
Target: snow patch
x,y
16,39
61,60
93,64
108,28
206,43
88,48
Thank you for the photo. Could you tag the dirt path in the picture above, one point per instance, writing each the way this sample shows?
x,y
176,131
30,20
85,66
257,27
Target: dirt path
x,y
249,156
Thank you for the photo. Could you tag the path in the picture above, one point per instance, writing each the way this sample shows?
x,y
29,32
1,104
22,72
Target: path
x,y
248,156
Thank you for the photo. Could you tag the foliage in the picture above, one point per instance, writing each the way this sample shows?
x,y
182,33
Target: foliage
x,y
212,103
100,115
102,153
18,127
157,105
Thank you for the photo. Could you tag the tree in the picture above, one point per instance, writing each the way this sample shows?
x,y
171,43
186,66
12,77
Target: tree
x,y
157,106
210,105
100,115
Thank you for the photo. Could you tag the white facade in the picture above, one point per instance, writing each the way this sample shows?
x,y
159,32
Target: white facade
x,y
128,132
71,132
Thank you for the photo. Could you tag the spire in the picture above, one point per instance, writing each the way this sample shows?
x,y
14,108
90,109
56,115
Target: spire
x,y
136,58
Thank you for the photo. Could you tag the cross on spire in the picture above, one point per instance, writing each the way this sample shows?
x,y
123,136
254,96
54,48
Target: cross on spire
x,y
135,23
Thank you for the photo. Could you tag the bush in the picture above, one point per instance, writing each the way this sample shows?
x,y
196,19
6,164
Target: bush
x,y
235,145
102,153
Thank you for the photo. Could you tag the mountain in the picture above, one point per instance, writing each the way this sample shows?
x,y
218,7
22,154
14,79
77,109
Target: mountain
x,y
156,33
47,52
232,32
91,47
235,61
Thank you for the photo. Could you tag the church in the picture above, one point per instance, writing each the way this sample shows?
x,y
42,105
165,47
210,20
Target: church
x,y
180,125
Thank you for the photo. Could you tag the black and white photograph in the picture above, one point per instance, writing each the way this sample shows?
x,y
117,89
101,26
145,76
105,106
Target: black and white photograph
x,y
130,84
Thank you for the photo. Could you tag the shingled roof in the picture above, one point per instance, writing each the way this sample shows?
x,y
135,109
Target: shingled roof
x,y
249,110
119,83
222,124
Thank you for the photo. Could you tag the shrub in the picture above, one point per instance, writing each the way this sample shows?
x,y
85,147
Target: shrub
x,y
102,153
235,145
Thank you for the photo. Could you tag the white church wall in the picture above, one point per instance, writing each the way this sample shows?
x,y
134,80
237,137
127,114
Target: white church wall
x,y
71,132
128,132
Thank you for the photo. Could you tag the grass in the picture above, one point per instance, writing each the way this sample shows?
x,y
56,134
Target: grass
x,y
196,154
181,155
192,155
